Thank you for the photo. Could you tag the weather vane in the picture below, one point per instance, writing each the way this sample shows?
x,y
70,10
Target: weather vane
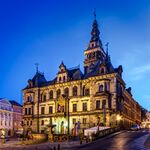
x,y
107,47
94,13
37,67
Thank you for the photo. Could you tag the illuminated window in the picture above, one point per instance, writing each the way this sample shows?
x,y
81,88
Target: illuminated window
x,y
50,109
74,107
42,110
84,106
74,120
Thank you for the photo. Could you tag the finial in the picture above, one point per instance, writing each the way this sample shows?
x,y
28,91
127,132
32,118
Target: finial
x,y
94,13
37,67
107,47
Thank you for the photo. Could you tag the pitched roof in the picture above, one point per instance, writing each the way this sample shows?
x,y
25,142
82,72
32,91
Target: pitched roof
x,y
15,103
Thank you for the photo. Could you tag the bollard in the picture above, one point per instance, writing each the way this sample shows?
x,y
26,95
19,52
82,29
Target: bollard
x,y
58,148
54,148
80,142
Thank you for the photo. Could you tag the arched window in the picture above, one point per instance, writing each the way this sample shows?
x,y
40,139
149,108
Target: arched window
x,y
51,94
64,78
87,92
58,93
83,91
59,78
29,98
101,88
66,92
44,98
75,91
102,71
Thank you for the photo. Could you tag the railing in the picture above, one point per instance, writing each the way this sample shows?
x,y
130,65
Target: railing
x,y
98,135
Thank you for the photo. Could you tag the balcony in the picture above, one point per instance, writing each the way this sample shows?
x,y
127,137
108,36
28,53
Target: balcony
x,y
102,93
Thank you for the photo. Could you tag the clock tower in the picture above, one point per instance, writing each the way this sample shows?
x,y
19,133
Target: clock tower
x,y
95,53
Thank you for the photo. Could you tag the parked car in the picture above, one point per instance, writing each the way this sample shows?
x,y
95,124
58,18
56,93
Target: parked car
x,y
135,127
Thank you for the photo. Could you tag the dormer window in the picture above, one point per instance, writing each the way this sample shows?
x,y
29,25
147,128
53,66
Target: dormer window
x,y
64,78
29,98
59,79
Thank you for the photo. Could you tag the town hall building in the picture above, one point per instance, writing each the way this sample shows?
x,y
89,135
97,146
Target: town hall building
x,y
97,96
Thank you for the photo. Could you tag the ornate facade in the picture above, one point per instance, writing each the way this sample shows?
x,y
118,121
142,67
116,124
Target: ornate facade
x,y
97,95
6,117
10,116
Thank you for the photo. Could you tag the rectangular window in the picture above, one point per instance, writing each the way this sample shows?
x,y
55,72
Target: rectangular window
x,y
97,104
42,131
27,123
104,104
74,107
42,122
73,120
26,111
42,110
84,106
84,120
50,109
29,111
31,123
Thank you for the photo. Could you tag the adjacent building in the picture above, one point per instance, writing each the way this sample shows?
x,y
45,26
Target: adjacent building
x,y
10,116
6,117
146,120
17,116
96,96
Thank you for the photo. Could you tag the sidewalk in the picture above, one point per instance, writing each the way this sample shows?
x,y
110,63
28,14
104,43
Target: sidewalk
x,y
147,142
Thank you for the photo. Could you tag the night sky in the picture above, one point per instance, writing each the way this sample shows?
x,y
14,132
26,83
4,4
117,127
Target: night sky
x,y
49,31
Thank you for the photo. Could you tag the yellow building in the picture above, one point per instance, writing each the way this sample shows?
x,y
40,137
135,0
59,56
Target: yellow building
x,y
97,96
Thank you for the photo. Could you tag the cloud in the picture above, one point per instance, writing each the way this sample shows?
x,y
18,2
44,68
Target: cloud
x,y
140,72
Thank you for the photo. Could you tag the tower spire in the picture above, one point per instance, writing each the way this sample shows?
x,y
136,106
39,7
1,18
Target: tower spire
x,y
107,47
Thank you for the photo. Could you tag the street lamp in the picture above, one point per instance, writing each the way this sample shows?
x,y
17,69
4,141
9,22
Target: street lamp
x,y
118,120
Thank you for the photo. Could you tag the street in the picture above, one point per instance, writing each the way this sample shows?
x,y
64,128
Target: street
x,y
128,140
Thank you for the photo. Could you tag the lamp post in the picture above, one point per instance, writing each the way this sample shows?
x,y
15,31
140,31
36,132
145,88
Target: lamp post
x,y
68,118
118,120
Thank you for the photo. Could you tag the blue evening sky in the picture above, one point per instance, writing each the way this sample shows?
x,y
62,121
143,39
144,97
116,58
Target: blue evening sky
x,y
48,32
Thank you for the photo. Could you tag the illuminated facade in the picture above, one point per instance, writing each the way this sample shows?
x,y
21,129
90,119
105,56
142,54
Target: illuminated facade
x,y
97,94
6,117
17,116
146,121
